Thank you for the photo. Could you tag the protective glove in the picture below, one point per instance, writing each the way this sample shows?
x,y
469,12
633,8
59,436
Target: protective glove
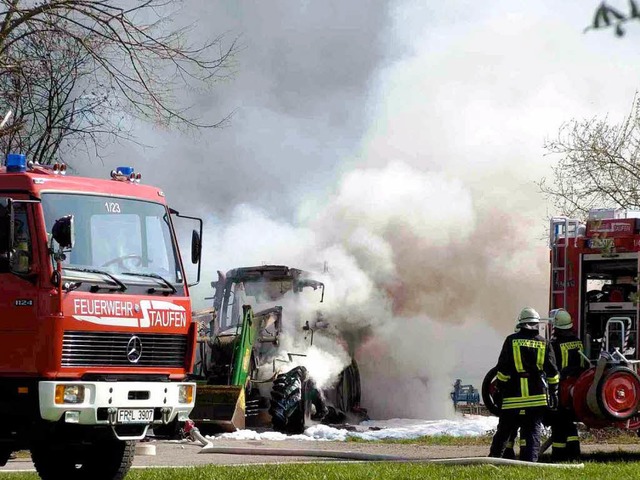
x,y
554,400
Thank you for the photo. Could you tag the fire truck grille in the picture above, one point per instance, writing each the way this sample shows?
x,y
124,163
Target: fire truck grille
x,y
109,349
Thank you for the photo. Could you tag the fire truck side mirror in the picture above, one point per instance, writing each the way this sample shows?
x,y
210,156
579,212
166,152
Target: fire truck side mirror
x,y
63,233
196,247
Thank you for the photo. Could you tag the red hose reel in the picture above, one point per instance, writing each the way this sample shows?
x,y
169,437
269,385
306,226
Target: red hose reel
x,y
612,401
607,395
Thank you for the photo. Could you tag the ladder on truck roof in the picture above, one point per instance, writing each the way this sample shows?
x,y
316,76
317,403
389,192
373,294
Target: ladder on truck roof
x,y
560,228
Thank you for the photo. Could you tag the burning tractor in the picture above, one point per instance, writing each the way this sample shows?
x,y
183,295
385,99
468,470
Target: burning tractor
x,y
594,276
245,377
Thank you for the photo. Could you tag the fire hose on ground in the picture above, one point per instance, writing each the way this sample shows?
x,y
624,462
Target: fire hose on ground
x,y
208,447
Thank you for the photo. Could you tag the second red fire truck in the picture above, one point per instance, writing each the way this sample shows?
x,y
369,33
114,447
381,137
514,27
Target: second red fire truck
x,y
594,272
594,269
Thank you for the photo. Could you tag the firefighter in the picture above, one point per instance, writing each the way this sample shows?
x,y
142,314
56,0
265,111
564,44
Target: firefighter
x,y
527,385
568,352
510,449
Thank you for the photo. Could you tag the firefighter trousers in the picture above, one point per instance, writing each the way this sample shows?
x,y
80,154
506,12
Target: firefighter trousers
x,y
509,451
530,422
564,437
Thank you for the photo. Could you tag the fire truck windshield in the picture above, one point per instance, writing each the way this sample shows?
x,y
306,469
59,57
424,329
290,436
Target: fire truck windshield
x,y
116,235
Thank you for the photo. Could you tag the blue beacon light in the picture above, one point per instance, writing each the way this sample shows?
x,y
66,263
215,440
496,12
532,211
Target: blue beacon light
x,y
16,163
124,171
125,174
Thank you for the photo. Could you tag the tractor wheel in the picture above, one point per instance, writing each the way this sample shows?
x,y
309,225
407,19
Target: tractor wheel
x,y
489,385
290,408
104,460
348,388
618,393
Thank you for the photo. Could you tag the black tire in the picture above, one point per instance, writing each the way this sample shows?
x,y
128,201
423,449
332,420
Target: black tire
x,y
105,460
51,464
489,381
290,407
348,389
5,455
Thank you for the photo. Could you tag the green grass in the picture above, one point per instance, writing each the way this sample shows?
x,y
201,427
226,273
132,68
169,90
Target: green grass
x,y
371,471
613,436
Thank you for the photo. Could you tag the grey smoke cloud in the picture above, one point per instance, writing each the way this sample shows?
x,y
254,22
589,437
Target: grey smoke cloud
x,y
400,143
299,97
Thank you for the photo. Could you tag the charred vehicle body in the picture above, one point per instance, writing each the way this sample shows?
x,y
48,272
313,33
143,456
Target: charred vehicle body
x,y
245,375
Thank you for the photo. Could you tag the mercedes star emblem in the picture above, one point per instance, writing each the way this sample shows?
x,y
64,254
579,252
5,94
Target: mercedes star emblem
x,y
134,349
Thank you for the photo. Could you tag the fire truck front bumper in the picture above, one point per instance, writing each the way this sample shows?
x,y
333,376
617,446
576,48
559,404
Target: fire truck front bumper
x,y
116,403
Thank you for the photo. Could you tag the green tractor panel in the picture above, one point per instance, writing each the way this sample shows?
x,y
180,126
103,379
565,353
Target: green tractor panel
x,y
244,376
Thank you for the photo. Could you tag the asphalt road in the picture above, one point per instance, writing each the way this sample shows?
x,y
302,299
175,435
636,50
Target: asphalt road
x,y
176,454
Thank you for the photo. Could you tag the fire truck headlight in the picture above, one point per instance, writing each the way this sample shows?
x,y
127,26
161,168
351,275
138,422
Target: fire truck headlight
x,y
185,394
69,394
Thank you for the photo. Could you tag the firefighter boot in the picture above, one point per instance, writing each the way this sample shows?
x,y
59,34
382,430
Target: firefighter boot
x,y
509,452
559,452
573,448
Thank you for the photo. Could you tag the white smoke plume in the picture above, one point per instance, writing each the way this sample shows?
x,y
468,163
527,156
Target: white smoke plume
x,y
413,268
400,144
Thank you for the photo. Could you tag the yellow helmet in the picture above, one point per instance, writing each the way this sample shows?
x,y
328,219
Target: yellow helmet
x,y
562,320
528,318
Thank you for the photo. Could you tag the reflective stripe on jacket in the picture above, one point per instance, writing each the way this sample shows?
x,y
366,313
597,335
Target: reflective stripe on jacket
x,y
526,365
567,349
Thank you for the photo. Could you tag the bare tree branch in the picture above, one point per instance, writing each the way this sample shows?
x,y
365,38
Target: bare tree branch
x,y
598,165
77,72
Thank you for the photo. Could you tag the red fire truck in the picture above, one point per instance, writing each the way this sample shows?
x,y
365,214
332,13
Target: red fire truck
x,y
95,318
594,276
594,272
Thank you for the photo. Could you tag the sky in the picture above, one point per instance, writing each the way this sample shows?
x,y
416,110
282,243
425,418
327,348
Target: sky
x,y
401,145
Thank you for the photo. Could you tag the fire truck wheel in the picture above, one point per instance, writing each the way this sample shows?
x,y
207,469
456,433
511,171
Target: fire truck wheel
x,y
290,408
51,464
488,389
5,455
110,460
618,393
105,460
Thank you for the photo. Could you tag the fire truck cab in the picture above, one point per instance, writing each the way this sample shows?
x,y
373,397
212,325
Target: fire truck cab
x,y
96,337
594,276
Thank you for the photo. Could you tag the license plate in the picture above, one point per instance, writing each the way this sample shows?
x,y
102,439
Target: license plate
x,y
135,415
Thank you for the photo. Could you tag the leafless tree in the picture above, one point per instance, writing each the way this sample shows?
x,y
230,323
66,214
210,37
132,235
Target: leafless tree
x,y
54,101
77,72
598,165
607,16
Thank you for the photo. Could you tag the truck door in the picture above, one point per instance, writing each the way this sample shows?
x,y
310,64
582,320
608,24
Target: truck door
x,y
18,305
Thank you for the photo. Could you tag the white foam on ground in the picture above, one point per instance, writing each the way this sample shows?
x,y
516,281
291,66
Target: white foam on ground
x,y
397,428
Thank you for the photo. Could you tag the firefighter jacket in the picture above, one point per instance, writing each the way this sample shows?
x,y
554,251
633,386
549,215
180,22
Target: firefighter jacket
x,y
525,367
568,352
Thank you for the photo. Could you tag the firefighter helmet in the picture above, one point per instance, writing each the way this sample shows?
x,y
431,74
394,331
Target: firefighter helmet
x,y
562,320
528,318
